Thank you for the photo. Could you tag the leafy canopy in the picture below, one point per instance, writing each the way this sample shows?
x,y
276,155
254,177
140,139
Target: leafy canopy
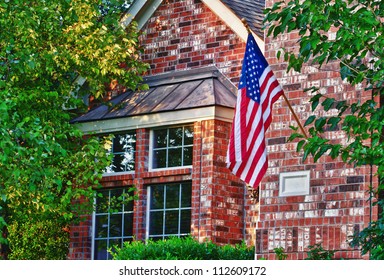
x,y
46,49
349,33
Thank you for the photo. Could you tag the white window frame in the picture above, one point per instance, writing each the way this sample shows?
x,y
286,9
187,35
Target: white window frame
x,y
151,148
106,174
164,210
94,238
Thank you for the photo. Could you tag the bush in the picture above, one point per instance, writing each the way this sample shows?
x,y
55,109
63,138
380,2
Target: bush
x,y
186,248
317,252
38,240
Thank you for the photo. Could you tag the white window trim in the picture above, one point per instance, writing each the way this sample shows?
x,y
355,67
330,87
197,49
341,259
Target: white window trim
x,y
93,227
109,174
148,211
150,155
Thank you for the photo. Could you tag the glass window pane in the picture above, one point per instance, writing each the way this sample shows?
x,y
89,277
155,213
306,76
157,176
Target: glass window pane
x,y
115,225
188,135
187,160
172,192
100,250
117,163
128,204
157,197
128,161
186,195
174,157
102,202
113,242
172,222
156,223
185,221
175,136
118,144
101,226
160,138
159,159
128,239
128,224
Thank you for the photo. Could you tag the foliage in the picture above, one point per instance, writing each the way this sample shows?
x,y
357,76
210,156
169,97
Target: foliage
x,y
349,33
280,253
46,164
186,248
371,239
52,243
317,252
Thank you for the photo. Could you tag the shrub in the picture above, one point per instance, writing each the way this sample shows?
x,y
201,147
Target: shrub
x,y
38,240
317,252
186,248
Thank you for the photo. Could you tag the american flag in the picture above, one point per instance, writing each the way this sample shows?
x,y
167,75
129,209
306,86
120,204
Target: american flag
x,y
258,90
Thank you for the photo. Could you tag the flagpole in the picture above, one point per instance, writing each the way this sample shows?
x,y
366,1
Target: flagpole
x,y
244,21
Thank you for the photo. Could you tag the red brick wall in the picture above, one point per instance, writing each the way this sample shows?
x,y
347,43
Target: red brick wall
x,y
186,34
336,206
221,210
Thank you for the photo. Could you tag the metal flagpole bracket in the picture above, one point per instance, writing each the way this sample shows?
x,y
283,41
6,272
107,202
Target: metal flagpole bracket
x,y
244,21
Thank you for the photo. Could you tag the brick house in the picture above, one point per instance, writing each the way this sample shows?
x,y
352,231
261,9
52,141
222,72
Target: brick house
x,y
171,140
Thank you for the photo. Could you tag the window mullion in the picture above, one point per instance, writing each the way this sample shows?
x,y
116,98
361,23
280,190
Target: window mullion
x,y
179,218
164,208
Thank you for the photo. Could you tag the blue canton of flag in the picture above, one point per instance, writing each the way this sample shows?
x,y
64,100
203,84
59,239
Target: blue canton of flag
x,y
254,65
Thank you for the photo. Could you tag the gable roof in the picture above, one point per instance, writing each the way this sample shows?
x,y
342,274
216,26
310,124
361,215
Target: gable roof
x,y
229,11
251,11
190,89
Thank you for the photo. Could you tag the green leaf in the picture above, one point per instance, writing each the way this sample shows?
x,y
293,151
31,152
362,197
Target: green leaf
x,y
319,124
309,120
315,101
333,121
300,145
328,103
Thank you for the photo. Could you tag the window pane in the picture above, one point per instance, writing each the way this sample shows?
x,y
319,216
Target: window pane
x,y
186,194
156,224
185,221
159,159
160,138
118,143
128,224
110,220
115,224
175,137
100,250
187,156
172,196
101,226
102,202
157,197
117,163
129,239
188,135
128,204
174,157
172,222
113,242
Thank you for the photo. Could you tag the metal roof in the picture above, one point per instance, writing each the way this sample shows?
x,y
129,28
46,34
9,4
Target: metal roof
x,y
180,90
251,10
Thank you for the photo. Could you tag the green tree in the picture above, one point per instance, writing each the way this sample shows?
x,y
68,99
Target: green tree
x,y
47,165
358,47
